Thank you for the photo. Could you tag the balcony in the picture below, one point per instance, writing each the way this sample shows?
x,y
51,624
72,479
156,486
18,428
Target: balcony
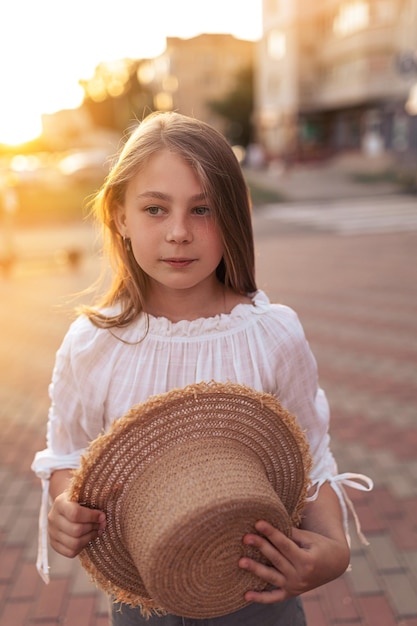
x,y
360,44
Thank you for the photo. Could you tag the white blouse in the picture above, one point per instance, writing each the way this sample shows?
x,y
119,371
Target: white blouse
x,y
100,374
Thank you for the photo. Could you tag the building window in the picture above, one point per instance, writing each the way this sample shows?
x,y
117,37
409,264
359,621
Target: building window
x,y
277,44
351,17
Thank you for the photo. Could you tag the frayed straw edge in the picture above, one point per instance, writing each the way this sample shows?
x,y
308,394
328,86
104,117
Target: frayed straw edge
x,y
265,399
147,606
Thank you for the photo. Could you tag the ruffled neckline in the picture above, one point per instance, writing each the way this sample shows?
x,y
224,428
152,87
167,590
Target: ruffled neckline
x,y
208,325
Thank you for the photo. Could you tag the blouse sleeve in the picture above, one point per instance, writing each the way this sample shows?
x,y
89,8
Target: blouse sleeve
x,y
299,391
75,417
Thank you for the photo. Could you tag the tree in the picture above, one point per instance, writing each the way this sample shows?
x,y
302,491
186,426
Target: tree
x,y
236,106
114,96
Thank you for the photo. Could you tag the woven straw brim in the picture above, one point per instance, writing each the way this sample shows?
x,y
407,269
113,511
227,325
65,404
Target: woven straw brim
x,y
225,443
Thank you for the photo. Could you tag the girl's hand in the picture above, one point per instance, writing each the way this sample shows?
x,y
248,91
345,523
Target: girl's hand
x,y
305,561
71,526
311,557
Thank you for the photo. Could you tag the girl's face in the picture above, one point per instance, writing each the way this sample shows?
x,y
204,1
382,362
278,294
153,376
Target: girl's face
x,y
170,223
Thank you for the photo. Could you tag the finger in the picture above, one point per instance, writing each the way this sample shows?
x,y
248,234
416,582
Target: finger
x,y
96,518
268,574
65,512
272,552
266,597
59,528
289,547
276,561
69,546
83,514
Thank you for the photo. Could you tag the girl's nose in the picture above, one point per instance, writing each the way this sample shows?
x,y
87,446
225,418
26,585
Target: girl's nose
x,y
179,230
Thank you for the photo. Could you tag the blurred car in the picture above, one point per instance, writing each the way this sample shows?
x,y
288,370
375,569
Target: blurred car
x,y
85,165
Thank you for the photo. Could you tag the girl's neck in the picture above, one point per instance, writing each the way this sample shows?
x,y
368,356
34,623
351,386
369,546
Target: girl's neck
x,y
190,305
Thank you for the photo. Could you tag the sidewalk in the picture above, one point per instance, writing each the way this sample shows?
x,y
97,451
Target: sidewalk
x,y
357,300
335,179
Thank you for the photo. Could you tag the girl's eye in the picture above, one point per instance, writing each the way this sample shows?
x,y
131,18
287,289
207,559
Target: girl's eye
x,y
153,210
201,210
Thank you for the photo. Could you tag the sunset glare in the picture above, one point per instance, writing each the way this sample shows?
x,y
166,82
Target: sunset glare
x,y
47,46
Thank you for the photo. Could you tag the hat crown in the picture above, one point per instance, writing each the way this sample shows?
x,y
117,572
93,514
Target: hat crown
x,y
215,479
182,478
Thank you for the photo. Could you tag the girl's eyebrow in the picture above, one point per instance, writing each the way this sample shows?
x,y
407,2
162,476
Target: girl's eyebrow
x,y
159,195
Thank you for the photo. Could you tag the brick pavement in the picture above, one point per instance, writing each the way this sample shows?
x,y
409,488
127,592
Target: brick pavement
x,y
357,299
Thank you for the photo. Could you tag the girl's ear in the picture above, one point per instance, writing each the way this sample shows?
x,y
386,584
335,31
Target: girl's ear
x,y
120,220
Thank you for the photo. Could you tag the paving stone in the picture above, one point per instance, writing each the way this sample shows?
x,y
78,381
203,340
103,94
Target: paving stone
x,y
26,583
7,515
14,490
4,592
410,556
4,476
314,612
80,610
410,507
32,500
384,460
81,583
371,522
376,610
402,594
102,603
15,613
401,484
51,600
363,577
60,566
404,533
31,548
339,602
384,554
388,506
22,530
412,466
10,558
102,620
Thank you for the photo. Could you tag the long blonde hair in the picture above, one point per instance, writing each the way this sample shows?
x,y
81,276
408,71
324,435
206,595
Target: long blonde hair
x,y
219,173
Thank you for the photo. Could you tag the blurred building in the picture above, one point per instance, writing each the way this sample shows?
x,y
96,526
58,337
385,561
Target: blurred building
x,y
193,72
65,128
186,78
337,75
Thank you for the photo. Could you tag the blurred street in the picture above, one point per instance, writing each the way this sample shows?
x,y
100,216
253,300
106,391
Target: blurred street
x,y
347,263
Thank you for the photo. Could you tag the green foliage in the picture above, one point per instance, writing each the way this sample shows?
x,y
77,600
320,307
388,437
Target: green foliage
x,y
108,110
236,106
262,195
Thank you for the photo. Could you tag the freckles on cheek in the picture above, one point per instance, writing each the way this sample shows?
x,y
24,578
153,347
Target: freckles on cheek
x,y
212,232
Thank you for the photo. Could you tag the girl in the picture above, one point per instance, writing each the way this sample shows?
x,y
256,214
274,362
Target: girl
x,y
183,307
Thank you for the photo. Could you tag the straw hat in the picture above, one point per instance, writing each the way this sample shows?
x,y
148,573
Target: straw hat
x,y
181,478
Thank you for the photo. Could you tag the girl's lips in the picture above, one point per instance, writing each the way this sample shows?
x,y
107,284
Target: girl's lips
x,y
178,262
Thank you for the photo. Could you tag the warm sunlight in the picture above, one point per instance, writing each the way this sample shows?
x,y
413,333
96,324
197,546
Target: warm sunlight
x,y
46,47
